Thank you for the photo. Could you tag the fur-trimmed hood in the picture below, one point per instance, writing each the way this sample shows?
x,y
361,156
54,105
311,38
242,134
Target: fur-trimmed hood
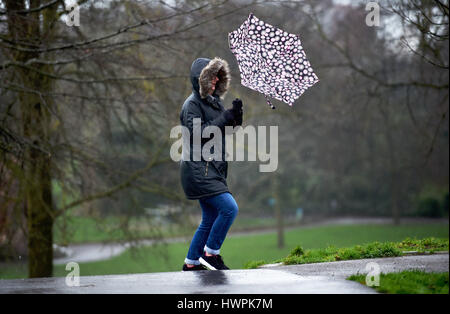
x,y
203,71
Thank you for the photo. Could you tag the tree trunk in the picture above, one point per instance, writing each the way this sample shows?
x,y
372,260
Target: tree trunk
x,y
278,213
39,216
36,181
393,164
393,170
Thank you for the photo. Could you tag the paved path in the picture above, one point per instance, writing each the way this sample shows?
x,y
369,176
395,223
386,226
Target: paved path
x,y
311,278
340,270
256,281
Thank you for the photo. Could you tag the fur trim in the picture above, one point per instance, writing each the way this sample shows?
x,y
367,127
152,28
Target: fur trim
x,y
216,67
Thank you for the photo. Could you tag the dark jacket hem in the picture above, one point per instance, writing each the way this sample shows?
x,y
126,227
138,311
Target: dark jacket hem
x,y
196,197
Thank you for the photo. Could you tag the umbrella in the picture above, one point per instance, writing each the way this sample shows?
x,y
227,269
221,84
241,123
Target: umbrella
x,y
271,61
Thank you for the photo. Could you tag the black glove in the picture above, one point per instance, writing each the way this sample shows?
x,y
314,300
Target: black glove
x,y
237,111
229,116
237,105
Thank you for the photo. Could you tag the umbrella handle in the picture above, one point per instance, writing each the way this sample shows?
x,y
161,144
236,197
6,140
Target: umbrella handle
x,y
269,102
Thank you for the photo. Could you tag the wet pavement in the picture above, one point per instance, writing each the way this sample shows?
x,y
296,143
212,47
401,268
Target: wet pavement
x,y
295,279
438,262
255,281
93,252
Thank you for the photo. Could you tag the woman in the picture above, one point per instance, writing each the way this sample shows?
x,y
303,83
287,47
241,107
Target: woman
x,y
205,180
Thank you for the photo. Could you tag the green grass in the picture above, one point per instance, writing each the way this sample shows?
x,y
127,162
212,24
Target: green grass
x,y
409,282
332,254
87,229
425,245
369,250
239,250
80,229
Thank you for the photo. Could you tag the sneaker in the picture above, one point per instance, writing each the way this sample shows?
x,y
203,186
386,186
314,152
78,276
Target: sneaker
x,y
213,262
196,267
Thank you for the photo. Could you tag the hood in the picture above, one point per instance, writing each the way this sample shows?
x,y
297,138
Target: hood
x,y
203,71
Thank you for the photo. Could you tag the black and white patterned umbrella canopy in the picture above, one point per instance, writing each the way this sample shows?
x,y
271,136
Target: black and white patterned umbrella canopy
x,y
271,61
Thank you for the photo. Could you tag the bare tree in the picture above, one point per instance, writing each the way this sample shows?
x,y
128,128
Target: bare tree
x,y
70,93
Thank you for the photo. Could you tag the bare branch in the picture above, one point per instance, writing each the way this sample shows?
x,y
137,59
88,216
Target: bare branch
x,y
32,10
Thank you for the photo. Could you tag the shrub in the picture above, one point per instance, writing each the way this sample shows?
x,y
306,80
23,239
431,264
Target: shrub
x,y
430,207
297,251
433,202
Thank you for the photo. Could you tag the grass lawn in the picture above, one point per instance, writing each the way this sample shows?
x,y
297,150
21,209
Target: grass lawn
x,y
375,249
239,250
409,282
79,229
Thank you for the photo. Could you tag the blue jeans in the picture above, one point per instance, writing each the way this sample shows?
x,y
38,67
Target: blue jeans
x,y
218,213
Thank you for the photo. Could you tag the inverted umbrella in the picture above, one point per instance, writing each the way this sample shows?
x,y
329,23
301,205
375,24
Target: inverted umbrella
x,y
271,61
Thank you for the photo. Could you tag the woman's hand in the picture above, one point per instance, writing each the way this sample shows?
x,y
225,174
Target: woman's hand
x,y
237,105
233,116
237,111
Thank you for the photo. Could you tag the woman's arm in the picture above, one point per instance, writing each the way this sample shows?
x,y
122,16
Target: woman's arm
x,y
193,111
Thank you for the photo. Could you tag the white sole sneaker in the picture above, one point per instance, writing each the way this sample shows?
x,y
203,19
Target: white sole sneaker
x,y
205,263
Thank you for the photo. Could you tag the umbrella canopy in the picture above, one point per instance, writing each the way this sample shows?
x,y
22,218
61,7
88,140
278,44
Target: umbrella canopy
x,y
271,61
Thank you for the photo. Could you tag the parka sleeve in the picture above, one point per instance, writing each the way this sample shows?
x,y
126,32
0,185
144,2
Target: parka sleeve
x,y
193,111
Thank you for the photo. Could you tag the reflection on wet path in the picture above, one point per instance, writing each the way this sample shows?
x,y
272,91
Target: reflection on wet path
x,y
253,281
211,278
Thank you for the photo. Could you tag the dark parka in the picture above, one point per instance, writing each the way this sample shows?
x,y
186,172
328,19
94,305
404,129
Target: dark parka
x,y
206,177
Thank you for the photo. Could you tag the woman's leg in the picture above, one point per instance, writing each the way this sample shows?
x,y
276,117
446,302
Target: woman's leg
x,y
209,215
228,209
